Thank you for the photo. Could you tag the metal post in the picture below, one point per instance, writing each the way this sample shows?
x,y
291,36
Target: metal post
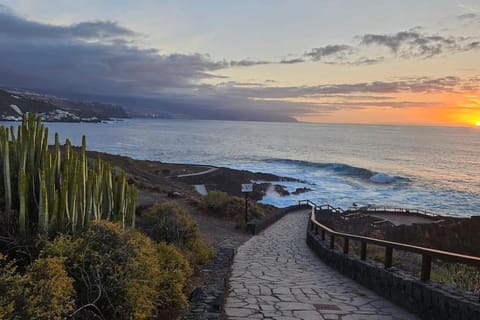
x,y
363,250
332,241
426,267
345,245
246,208
323,235
316,229
388,257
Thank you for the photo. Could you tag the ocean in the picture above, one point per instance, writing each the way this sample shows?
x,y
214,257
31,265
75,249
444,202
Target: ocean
x,y
430,168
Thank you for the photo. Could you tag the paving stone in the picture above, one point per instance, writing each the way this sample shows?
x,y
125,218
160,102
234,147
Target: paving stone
x,y
276,276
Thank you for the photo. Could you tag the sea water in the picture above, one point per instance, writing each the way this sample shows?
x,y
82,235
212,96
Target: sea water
x,y
432,168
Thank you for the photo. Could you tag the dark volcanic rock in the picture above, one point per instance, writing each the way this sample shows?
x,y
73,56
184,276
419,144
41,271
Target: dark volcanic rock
x,y
230,181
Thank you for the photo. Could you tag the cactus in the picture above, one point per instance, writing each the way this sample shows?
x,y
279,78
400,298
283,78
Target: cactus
x,y
58,191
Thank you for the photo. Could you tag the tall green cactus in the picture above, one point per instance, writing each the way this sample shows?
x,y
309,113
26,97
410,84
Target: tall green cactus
x,y
59,191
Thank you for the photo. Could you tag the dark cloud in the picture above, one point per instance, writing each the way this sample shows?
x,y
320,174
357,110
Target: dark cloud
x,y
292,61
468,16
247,63
408,44
337,51
416,85
12,26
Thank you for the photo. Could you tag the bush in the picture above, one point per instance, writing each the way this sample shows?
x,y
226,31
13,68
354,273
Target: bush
x,y
216,201
44,292
49,293
463,276
171,223
11,288
232,208
121,274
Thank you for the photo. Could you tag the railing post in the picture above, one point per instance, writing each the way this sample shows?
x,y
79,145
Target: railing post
x,y
311,225
323,235
332,241
316,229
363,250
345,245
426,267
388,257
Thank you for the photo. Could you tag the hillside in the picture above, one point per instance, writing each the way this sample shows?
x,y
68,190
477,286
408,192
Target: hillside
x,y
14,103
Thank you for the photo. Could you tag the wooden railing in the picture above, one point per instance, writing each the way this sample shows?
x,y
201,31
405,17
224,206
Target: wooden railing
x,y
427,253
393,210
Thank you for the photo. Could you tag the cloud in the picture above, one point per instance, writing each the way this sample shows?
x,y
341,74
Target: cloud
x,y
12,26
468,16
411,44
415,85
247,63
336,51
292,61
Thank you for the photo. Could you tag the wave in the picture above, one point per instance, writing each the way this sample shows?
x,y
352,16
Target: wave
x,y
346,170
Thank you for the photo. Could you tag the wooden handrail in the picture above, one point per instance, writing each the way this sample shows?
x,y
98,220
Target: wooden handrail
x,y
427,253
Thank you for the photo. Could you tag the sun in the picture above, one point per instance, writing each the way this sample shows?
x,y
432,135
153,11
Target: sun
x,y
477,123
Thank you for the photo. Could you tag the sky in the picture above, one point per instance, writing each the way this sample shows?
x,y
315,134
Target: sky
x,y
344,61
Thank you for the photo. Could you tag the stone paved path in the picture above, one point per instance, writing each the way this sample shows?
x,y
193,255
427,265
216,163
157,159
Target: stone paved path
x,y
276,276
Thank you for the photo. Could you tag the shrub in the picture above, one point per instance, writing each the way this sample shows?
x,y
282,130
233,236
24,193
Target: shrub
x,y
120,273
232,208
44,292
11,288
171,223
49,290
463,276
216,201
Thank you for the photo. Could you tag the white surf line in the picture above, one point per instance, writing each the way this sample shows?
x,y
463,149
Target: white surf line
x,y
198,173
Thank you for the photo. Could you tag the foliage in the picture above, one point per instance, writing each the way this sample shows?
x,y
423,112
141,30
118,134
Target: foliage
x,y
171,223
44,292
120,273
60,191
49,293
11,287
216,201
220,203
463,276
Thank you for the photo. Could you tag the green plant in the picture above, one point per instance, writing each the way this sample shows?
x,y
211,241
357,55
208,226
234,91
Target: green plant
x,y
120,273
11,288
44,291
49,290
170,223
216,201
59,191
463,276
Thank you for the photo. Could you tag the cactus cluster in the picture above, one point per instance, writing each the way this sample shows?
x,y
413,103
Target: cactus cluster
x,y
58,190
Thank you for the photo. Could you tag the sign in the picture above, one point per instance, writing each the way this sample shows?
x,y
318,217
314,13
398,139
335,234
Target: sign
x,y
247,187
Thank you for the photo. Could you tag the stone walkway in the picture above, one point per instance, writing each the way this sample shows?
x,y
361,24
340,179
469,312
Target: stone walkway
x,y
276,276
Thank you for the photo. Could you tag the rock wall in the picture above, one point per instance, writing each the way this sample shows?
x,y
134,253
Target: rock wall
x,y
429,300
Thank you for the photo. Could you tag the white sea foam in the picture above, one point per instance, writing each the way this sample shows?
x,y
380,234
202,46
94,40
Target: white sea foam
x,y
382,178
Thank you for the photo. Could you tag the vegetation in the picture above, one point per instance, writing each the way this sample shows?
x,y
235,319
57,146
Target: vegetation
x,y
121,274
463,276
220,203
46,193
170,223
74,218
44,291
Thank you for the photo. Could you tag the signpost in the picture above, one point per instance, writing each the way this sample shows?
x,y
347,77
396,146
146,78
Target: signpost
x,y
246,188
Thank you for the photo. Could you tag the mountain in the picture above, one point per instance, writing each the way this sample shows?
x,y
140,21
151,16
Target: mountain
x,y
14,103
